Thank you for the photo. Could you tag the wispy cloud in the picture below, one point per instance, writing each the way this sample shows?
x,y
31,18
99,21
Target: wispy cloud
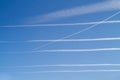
x,y
64,24
107,5
71,71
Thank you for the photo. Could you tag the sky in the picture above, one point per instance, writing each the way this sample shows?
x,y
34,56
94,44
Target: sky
x,y
59,40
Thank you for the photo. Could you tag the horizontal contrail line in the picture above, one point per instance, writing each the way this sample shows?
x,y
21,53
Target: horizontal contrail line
x,y
61,50
68,65
65,40
66,24
71,71
80,50
77,40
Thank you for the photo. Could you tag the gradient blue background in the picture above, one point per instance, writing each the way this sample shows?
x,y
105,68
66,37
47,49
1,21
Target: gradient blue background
x,y
14,12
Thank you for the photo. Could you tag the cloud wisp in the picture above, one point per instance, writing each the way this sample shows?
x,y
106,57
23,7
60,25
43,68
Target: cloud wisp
x,y
64,24
108,5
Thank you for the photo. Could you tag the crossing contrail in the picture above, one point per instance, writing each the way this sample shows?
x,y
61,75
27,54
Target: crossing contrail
x,y
79,50
80,31
64,24
72,71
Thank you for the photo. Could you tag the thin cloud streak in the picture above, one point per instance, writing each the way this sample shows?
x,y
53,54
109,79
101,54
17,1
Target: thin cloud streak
x,y
64,24
79,50
71,71
108,5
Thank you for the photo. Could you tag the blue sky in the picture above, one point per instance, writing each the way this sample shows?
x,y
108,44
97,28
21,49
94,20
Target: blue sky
x,y
59,40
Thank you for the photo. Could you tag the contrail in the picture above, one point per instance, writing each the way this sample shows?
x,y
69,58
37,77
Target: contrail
x,y
109,5
68,65
77,40
60,50
64,24
71,71
80,31
66,40
79,50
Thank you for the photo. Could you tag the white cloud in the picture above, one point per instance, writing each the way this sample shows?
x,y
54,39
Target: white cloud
x,y
108,5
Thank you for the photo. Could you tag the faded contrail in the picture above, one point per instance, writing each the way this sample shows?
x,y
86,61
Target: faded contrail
x,y
65,40
65,24
80,50
80,31
69,65
108,5
71,71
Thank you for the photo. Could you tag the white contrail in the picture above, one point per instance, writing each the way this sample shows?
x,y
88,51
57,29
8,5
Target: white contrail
x,y
64,24
80,31
78,40
64,65
109,5
61,50
71,71
69,65
79,50
66,40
